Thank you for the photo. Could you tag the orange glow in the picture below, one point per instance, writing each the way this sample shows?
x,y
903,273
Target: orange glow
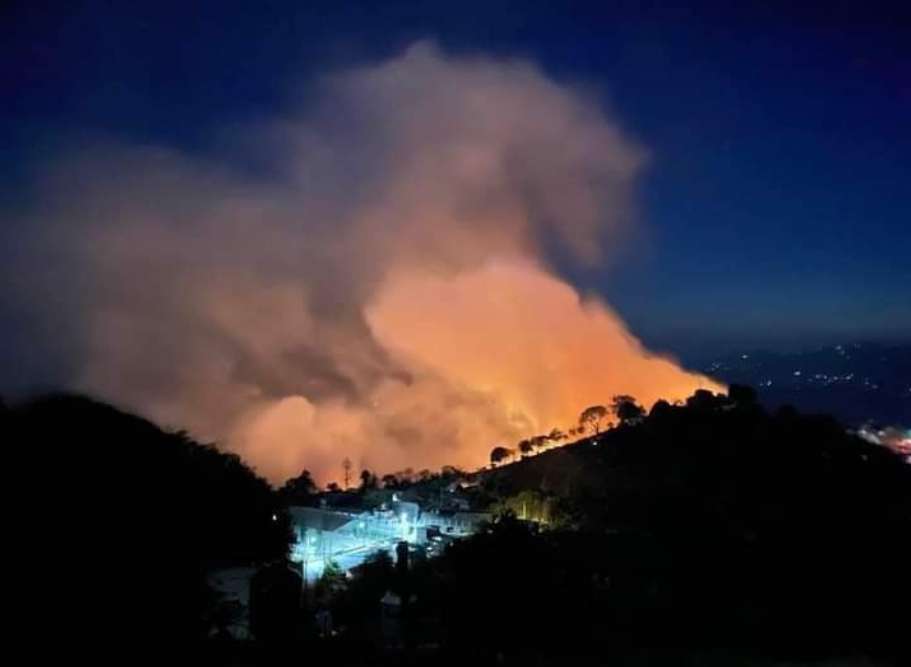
x,y
496,354
514,331
381,292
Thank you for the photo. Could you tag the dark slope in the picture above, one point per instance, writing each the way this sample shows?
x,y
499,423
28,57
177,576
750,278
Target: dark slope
x,y
717,522
126,517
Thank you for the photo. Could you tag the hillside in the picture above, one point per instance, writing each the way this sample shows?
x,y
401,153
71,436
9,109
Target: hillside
x,y
776,530
133,514
730,456
705,524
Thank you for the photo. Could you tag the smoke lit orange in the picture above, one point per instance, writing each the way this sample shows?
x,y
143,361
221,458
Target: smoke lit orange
x,y
383,296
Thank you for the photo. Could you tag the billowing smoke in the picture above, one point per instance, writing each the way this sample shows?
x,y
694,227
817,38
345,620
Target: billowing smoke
x,y
368,278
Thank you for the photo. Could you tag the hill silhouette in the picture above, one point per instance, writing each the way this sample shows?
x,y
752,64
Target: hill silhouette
x,y
705,525
718,522
126,518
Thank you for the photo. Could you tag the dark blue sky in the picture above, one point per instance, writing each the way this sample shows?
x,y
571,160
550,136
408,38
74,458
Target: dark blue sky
x,y
778,196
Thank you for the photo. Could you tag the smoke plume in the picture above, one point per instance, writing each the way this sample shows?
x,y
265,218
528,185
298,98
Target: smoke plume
x,y
367,278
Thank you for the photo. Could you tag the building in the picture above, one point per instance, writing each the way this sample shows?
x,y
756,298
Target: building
x,y
324,535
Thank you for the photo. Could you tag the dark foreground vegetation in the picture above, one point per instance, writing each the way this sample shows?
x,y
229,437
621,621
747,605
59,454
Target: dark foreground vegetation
x,y
706,533
125,519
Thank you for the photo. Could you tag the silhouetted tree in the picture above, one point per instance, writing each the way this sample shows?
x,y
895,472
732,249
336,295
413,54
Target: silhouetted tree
x,y
497,454
300,490
626,409
742,395
525,447
368,480
451,472
660,409
592,417
702,399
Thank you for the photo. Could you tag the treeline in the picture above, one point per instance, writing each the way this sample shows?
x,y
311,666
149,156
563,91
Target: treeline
x,y
303,489
591,421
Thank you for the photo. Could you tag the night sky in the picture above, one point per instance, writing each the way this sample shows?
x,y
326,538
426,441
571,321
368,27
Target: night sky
x,y
776,200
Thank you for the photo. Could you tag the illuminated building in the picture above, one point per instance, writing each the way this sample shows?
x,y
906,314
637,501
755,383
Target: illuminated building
x,y
323,535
